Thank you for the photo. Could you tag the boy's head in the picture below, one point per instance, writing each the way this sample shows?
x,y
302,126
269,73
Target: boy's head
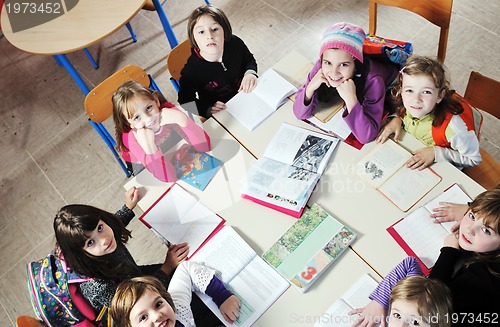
x,y
218,16
142,301
480,227
417,299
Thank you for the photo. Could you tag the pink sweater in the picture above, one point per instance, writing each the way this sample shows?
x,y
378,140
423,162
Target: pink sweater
x,y
156,163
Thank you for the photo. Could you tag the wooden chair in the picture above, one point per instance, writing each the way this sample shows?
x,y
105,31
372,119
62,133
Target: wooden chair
x,y
482,92
99,106
437,12
27,321
176,60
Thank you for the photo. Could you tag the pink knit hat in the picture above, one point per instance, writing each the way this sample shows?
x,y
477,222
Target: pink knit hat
x,y
346,37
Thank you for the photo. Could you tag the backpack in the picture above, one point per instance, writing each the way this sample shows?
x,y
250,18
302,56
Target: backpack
x,y
55,296
388,50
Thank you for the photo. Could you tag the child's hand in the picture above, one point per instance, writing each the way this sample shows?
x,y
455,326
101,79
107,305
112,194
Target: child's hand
x,y
230,309
372,314
248,83
173,116
393,126
131,197
347,91
175,255
421,158
314,84
218,106
449,212
451,240
146,139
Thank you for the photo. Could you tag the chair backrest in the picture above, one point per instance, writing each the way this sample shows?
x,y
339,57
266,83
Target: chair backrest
x,y
177,58
27,321
437,12
483,93
98,103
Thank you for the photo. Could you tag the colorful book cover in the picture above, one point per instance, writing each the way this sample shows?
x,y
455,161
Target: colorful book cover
x,y
309,247
196,168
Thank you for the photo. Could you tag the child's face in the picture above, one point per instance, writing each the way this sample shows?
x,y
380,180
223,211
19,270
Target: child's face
x,y
209,37
419,94
152,310
100,241
337,66
475,236
404,313
147,113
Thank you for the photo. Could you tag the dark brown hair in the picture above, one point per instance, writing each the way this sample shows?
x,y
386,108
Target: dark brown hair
x,y
218,15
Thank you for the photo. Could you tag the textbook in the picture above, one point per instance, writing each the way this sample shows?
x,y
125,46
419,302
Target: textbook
x,y
384,169
324,111
356,297
285,176
243,272
177,216
196,168
417,233
251,109
309,247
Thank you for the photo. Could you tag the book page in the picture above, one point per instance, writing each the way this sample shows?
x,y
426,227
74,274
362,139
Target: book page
x,y
179,217
255,283
301,148
422,236
382,162
454,194
324,111
355,297
248,109
279,183
273,89
406,187
336,125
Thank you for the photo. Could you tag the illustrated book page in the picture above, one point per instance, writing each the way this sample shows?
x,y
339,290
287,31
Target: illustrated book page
x,y
384,169
251,109
419,235
356,297
177,216
309,247
247,275
196,168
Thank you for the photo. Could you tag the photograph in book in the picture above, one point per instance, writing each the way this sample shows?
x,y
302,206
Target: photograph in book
x,y
177,217
384,169
256,284
419,235
356,297
309,247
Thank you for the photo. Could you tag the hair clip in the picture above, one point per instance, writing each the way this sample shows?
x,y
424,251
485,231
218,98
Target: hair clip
x,y
401,71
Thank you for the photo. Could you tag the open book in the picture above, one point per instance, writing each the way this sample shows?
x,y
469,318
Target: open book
x,y
384,169
242,271
309,247
356,297
251,109
177,216
419,235
285,177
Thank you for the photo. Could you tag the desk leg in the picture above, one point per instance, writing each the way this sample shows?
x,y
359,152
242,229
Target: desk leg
x,y
62,60
166,24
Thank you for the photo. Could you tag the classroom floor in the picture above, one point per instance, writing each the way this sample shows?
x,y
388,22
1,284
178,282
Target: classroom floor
x,y
51,156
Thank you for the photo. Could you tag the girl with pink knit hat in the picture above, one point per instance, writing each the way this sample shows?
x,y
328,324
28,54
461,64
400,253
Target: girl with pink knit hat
x,y
342,71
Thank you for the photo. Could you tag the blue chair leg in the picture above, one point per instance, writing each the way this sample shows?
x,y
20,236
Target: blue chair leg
x,y
172,39
207,2
131,30
99,130
89,55
56,58
175,84
154,86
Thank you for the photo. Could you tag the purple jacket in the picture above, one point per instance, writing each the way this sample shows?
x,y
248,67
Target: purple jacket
x,y
365,118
